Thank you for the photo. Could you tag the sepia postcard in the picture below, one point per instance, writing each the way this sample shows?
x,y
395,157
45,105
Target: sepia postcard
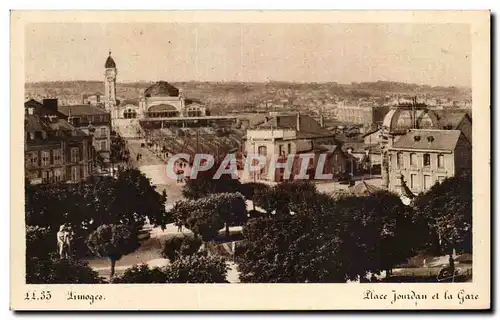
x,y
250,160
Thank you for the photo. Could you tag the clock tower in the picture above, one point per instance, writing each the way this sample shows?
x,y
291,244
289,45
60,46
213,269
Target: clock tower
x,y
110,86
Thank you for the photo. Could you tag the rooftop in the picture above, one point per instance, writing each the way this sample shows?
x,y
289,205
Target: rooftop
x,y
450,119
43,129
308,127
161,89
81,110
445,140
110,63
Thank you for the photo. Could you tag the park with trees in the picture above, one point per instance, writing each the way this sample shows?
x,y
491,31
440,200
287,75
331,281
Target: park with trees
x,y
292,234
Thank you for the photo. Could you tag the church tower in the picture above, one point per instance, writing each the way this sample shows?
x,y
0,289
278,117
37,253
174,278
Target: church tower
x,y
110,86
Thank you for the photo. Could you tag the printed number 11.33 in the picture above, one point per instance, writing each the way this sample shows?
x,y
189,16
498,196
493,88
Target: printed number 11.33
x,y
34,295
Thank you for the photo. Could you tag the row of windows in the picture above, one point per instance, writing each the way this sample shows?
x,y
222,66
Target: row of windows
x,y
101,145
80,120
54,176
428,182
45,158
262,150
414,160
103,132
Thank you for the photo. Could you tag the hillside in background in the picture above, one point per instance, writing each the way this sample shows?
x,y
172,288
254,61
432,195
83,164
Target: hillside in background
x,y
237,96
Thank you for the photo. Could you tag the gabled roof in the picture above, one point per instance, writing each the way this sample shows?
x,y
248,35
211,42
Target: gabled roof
x,y
451,119
308,127
445,140
81,110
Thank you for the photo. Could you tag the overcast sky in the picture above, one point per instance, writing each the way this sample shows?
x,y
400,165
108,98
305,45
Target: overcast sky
x,y
436,54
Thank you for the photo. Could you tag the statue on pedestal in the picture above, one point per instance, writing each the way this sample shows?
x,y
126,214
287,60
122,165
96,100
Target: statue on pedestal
x,y
64,237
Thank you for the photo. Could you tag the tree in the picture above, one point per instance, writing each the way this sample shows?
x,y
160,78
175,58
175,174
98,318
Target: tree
x,y
197,268
175,247
40,242
204,184
386,230
286,196
231,208
343,240
205,223
113,241
132,185
447,207
228,208
97,201
142,274
251,189
52,270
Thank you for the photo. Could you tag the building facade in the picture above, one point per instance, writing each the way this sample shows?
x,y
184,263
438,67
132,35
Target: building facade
x,y
354,114
160,100
396,123
423,157
283,135
55,151
93,121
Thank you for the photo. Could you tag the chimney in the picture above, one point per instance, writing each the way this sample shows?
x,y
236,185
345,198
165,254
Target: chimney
x,y
298,121
50,104
322,121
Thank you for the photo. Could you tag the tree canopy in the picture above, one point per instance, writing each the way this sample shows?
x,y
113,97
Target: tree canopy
x,y
447,207
129,199
142,274
113,241
204,184
207,215
287,196
59,271
175,247
197,268
329,240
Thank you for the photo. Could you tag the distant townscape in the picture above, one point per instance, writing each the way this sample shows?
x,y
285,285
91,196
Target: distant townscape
x,y
396,206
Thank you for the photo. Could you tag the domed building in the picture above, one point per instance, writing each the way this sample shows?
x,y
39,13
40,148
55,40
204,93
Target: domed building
x,y
403,118
397,122
160,100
